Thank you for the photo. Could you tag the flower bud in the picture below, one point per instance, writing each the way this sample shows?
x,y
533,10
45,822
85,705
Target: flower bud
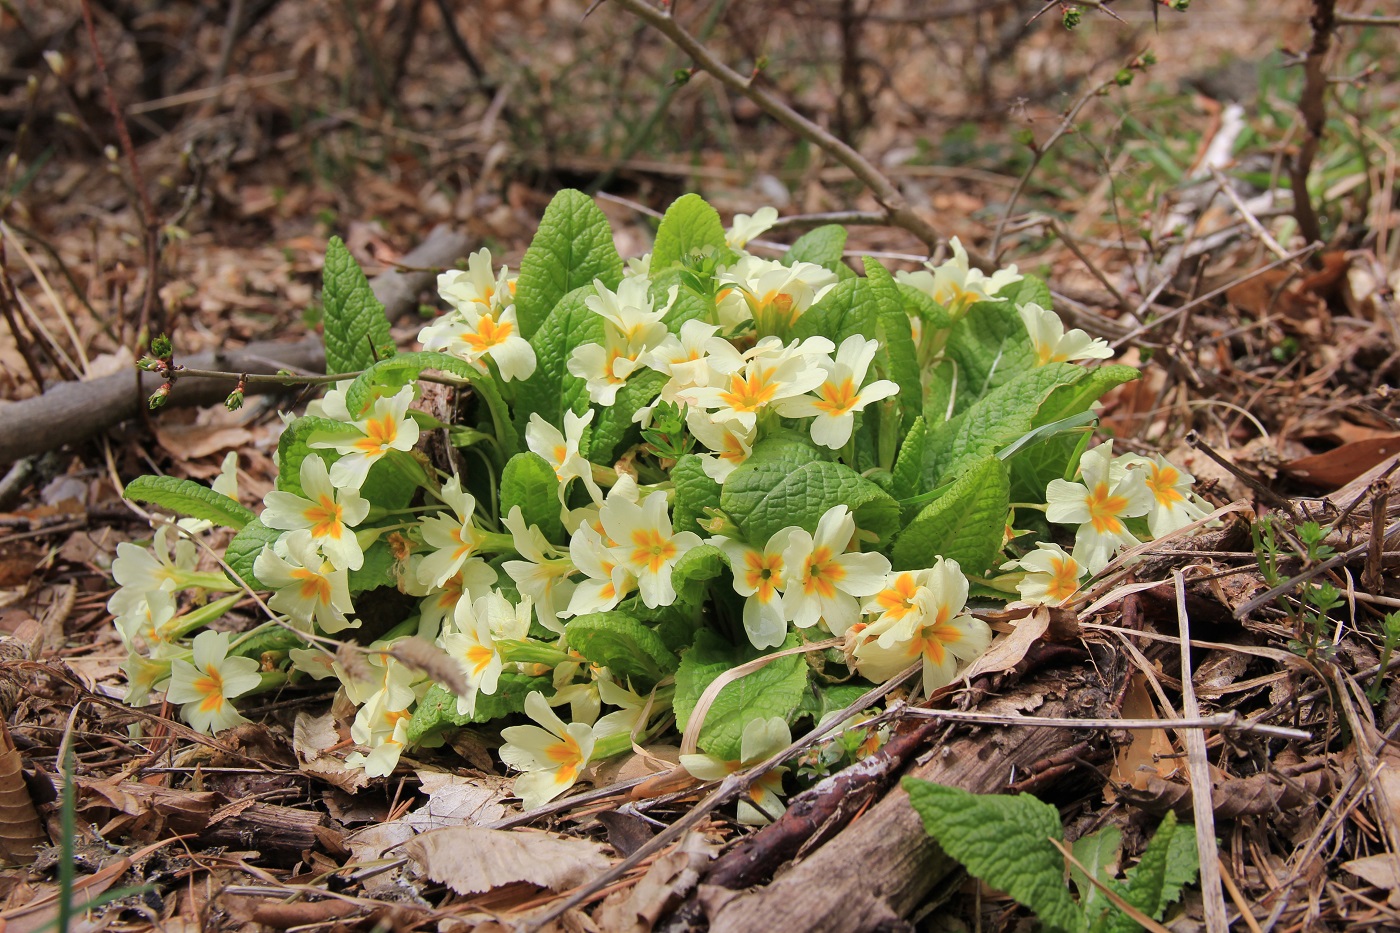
x,y
160,396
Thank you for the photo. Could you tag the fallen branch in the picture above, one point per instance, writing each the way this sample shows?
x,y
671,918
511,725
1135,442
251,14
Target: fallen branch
x,y
71,412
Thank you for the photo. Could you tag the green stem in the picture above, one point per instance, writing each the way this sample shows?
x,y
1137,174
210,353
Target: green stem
x,y
532,652
205,614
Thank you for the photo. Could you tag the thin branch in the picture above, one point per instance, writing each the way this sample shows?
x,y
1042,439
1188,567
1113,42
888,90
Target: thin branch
x,y
1228,722
897,209
1361,19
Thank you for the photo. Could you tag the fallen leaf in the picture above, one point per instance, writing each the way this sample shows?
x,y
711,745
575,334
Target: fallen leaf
x,y
311,736
1341,465
669,880
454,800
472,860
1382,870
1136,762
1006,653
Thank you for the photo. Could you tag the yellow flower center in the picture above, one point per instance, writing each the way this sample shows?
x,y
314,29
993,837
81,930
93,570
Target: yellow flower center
x,y
837,398
1104,509
380,434
1162,481
326,518
822,573
749,393
568,756
1064,578
313,585
212,686
651,549
898,600
488,333
762,572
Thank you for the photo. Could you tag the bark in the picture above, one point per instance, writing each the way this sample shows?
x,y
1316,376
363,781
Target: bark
x,y
71,412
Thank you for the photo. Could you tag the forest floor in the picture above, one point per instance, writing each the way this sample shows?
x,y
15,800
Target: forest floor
x,y
258,129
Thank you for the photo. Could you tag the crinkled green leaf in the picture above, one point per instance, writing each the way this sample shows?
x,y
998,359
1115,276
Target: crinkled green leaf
x,y
357,330
695,492
1079,396
823,246
921,305
1033,468
1097,852
689,225
438,708
551,390
696,567
966,524
782,496
573,246
909,464
529,482
1004,841
821,701
776,689
689,305
991,347
940,392
897,359
1029,289
377,570
244,549
992,422
623,645
270,638
614,429
848,308
1157,879
186,497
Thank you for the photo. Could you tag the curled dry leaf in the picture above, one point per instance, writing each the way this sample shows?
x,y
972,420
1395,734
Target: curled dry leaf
x,y
1339,466
669,880
311,737
472,860
1006,653
1252,796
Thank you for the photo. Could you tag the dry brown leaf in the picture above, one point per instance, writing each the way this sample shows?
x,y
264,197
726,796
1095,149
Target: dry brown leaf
x,y
668,881
454,800
1006,653
472,860
20,830
1382,870
1136,762
1341,465
311,736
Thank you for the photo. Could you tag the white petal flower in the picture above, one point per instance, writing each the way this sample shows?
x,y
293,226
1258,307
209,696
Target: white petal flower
x,y
386,428
553,757
646,546
759,576
206,686
761,739
729,443
543,575
1052,344
769,293
607,581
1109,494
823,579
1173,505
561,451
840,395
746,227
473,646
453,535
772,372
1052,576
326,512
955,284
308,586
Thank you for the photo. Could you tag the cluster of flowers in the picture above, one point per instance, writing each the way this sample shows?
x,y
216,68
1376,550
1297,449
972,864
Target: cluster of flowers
x,y
495,593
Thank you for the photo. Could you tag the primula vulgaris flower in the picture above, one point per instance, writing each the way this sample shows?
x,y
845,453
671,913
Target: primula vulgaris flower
x,y
1052,576
607,582
730,443
631,328
482,323
921,616
386,428
543,575
771,372
472,581
629,719
139,571
646,547
333,404
553,757
206,686
759,576
1052,344
833,404
452,535
145,623
561,451
746,227
381,725
955,284
823,579
760,740
769,293
308,586
1173,505
328,514
1110,494
472,643
698,357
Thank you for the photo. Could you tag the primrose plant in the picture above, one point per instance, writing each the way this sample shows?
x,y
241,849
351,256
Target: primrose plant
x,y
648,473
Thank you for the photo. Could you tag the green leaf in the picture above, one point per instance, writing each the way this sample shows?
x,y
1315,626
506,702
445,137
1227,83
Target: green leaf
x,y
966,524
1183,863
550,391
270,637
848,308
1096,852
438,708
529,482
377,570
695,492
991,347
821,701
245,547
1079,396
696,567
689,305
823,245
909,465
994,421
776,689
689,225
186,497
1029,289
772,496
357,330
897,359
573,246
1147,888
614,426
398,371
623,645
921,305
1004,841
